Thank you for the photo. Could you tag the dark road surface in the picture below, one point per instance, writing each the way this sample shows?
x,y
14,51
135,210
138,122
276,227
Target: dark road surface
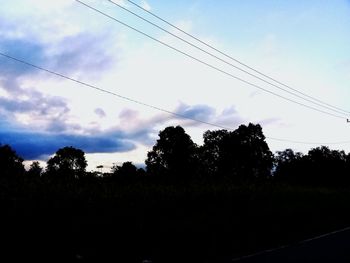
x,y
333,247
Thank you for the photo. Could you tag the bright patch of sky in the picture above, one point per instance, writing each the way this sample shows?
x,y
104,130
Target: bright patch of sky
x,y
303,44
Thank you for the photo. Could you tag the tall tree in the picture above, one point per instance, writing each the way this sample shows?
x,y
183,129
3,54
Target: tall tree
x,y
288,166
242,154
68,162
127,169
325,166
320,167
212,151
10,163
174,153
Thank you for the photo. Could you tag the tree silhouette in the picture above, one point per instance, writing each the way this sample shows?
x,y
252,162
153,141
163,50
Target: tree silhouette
x,y
241,155
35,170
212,151
10,163
127,169
174,153
289,166
320,167
347,167
254,159
68,162
325,166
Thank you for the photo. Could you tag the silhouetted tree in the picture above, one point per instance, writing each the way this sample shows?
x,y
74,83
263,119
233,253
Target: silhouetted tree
x,y
254,160
288,166
320,167
10,163
35,170
241,155
347,167
325,166
174,153
212,151
68,162
141,172
127,169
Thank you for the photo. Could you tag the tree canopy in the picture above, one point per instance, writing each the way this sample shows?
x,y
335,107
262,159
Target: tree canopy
x,y
10,163
173,153
35,169
127,169
67,162
241,154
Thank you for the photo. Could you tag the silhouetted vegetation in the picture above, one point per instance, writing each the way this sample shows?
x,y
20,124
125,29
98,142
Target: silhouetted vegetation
x,y
320,167
10,163
35,170
228,197
241,155
68,163
173,155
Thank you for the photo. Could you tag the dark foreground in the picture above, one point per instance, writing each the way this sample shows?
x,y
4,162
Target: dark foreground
x,y
126,221
334,247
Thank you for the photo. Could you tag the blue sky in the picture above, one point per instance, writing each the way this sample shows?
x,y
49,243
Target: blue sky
x,y
305,44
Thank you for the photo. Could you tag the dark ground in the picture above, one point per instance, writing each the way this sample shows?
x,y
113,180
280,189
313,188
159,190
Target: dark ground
x,y
193,222
330,248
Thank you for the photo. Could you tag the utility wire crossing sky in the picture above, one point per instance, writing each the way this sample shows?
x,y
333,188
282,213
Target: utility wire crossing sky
x,y
331,107
223,71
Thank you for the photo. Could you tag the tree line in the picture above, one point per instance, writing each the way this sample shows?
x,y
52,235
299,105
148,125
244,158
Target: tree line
x,y
239,156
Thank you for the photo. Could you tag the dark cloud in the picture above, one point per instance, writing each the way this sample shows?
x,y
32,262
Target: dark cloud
x,y
36,145
83,54
50,112
75,55
145,131
60,125
22,49
229,117
29,101
37,103
197,112
144,135
10,70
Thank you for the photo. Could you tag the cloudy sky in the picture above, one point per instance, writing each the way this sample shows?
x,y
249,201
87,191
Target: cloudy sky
x,y
303,44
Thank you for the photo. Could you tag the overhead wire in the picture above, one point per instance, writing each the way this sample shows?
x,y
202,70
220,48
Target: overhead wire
x,y
179,115
226,62
208,64
234,59
109,92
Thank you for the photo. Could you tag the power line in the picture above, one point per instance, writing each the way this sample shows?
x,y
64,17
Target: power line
x,y
226,62
110,92
208,64
234,59
143,103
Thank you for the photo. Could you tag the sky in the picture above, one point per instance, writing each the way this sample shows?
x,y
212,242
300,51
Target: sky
x,y
302,44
